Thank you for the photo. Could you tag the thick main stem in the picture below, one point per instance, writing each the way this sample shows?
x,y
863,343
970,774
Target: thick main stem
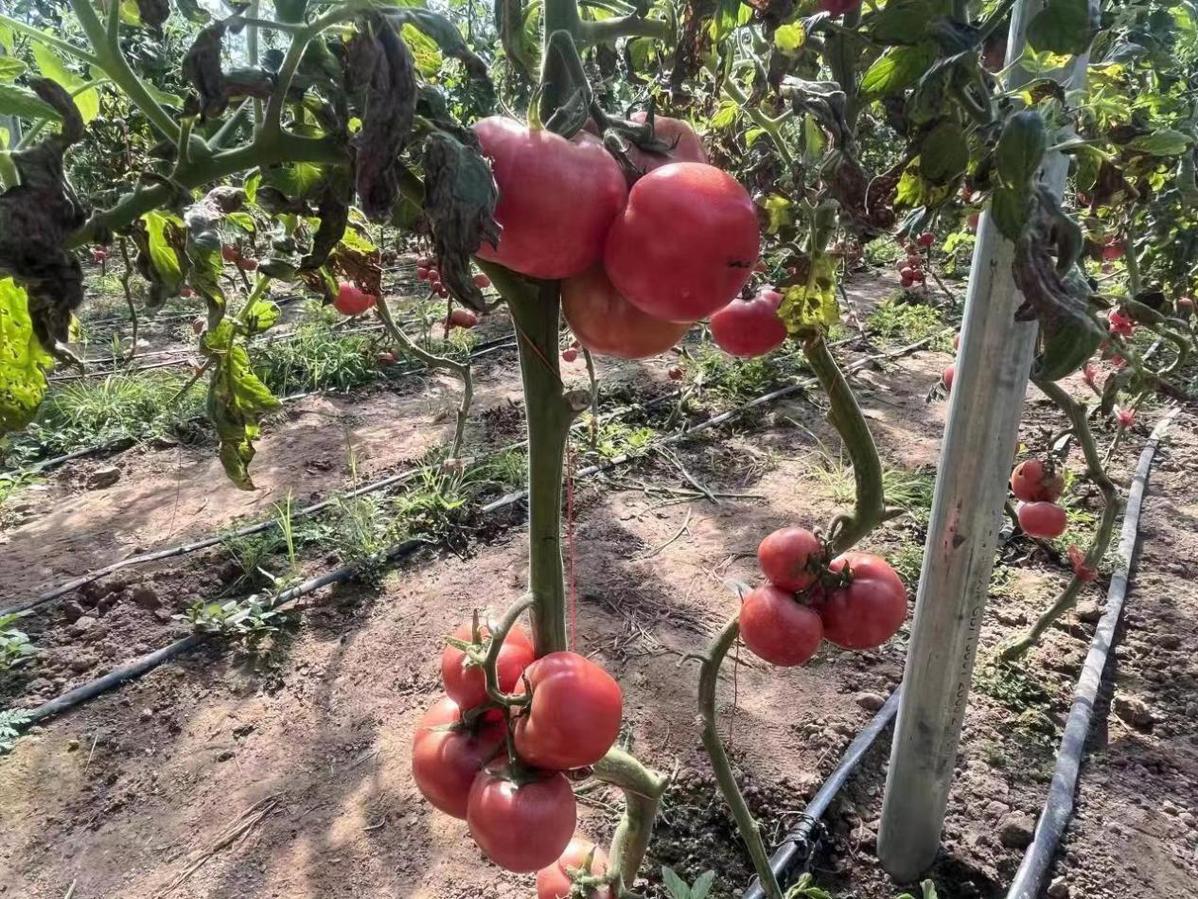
x,y
549,413
643,789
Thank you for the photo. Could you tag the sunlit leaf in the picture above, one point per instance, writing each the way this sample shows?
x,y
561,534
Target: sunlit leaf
x,y
1165,142
24,104
778,213
811,302
11,69
23,362
896,69
50,64
162,252
1062,26
790,37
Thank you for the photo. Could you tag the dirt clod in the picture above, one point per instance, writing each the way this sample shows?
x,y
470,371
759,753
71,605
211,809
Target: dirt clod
x,y
1058,889
871,702
1134,711
146,597
103,478
1016,829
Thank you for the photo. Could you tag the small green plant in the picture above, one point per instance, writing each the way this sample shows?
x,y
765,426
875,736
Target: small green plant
x,y
435,506
680,889
15,645
12,722
908,562
883,252
249,621
1010,685
507,470
359,529
908,322
253,554
615,438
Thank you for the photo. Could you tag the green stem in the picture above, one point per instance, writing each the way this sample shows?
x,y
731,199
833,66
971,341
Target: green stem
x,y
772,127
1077,414
838,52
845,415
111,60
607,31
643,789
709,673
498,635
550,411
263,151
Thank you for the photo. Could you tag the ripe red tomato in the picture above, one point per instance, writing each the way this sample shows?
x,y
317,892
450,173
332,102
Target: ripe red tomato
x,y
1120,324
686,145
1042,519
971,223
685,244
791,558
949,375
1031,482
1185,306
868,610
574,716
465,683
906,281
926,239
569,354
1112,250
907,273
555,882
521,825
352,301
557,198
838,7
778,628
462,318
604,322
749,327
230,253
422,273
447,755
481,281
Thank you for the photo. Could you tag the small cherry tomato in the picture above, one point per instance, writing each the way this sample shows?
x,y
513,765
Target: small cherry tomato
x,y
778,628
869,609
447,755
462,318
674,373
791,558
569,354
522,821
574,716
464,681
926,239
230,253
422,273
481,281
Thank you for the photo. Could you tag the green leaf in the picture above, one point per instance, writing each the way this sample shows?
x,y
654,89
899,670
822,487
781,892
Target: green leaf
x,y
1063,26
789,38
811,304
425,51
242,220
1021,147
162,254
11,69
1165,142
191,10
903,21
261,315
778,212
289,10
166,98
353,239
725,115
25,104
943,153
702,885
237,400
23,362
896,69
675,884
7,38
50,64
298,180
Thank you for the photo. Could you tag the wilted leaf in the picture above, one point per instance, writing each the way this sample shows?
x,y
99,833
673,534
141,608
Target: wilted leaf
x,y
23,362
809,296
1010,208
459,200
36,217
202,67
333,210
237,400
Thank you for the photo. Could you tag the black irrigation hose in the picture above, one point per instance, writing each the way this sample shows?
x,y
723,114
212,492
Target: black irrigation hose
x,y
482,349
146,663
1058,808
796,846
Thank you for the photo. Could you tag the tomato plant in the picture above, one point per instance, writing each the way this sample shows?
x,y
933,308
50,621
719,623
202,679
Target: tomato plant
x,y
461,664
567,877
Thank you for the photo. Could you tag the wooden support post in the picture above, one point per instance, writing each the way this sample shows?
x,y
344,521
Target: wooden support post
x,y
985,406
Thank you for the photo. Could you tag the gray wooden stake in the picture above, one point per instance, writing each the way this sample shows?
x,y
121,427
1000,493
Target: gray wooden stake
x,y
985,406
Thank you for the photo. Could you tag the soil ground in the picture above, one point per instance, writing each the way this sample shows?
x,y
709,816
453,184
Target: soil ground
x,y
222,775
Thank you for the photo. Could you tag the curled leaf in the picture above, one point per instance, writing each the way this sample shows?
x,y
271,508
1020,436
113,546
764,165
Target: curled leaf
x,y
202,67
333,210
153,12
459,200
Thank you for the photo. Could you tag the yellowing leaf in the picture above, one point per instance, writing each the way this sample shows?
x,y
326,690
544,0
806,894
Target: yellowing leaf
x,y
23,362
789,38
811,304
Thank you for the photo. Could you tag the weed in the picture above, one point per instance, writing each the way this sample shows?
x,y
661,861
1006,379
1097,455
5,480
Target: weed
x,y
993,754
358,530
732,378
906,322
910,490
253,554
248,621
11,723
119,407
1009,685
436,506
1002,581
507,470
15,646
316,357
908,562
615,438
883,252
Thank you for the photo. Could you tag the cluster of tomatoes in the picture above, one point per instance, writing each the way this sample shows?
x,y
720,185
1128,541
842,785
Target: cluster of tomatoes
x,y
855,601
641,252
1038,486
502,766
911,267
230,252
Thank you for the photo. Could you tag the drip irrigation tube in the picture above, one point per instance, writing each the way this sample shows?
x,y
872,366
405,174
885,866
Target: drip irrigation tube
x,y
148,662
796,846
1058,808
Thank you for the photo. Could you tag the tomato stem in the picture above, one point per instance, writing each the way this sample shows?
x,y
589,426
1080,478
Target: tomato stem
x,y
643,789
498,634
